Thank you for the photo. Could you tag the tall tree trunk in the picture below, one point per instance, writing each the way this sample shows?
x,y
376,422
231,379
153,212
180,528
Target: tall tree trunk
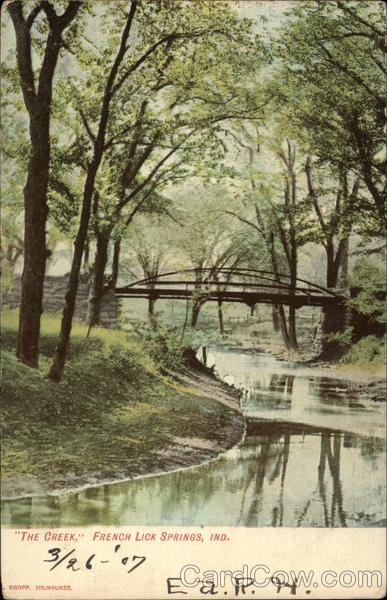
x,y
198,301
35,251
275,318
333,318
292,246
150,264
292,328
332,265
98,286
151,311
86,255
281,312
98,280
185,320
38,105
283,326
344,264
292,309
220,317
195,313
56,371
151,306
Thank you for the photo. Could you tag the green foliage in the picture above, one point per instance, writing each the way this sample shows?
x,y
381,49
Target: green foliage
x,y
194,101
120,361
167,112
370,349
341,337
165,345
329,63
7,276
368,279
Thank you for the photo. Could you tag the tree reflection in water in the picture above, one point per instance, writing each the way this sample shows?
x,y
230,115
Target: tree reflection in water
x,y
273,448
283,474
272,462
333,460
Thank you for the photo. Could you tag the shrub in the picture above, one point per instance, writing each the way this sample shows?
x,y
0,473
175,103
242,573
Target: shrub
x,y
165,346
119,359
368,281
370,349
341,337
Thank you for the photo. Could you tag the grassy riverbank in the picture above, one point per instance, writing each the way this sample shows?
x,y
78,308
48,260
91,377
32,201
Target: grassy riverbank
x,y
114,415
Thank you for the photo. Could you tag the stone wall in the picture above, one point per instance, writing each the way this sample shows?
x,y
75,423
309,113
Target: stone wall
x,y
53,298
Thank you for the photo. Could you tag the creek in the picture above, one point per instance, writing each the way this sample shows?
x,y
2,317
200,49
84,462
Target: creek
x,y
313,456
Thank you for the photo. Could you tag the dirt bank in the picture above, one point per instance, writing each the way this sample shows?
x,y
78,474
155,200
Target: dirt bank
x,y
175,452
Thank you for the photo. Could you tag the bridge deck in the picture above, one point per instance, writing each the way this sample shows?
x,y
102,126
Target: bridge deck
x,y
249,297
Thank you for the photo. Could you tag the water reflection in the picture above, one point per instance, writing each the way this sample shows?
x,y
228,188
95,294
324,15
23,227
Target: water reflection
x,y
294,469
283,475
277,390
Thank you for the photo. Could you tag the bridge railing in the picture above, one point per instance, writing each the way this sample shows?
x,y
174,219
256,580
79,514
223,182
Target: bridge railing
x,y
224,279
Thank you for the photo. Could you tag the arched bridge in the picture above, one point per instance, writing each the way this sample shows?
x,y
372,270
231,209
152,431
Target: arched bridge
x,y
248,286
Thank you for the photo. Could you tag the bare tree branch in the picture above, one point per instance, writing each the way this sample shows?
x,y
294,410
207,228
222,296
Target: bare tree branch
x,y
243,220
32,16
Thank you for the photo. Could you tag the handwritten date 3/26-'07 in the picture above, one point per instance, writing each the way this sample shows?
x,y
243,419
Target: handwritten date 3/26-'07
x,y
71,560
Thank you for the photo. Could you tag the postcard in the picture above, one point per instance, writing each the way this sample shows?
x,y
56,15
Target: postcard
x,y
193,299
